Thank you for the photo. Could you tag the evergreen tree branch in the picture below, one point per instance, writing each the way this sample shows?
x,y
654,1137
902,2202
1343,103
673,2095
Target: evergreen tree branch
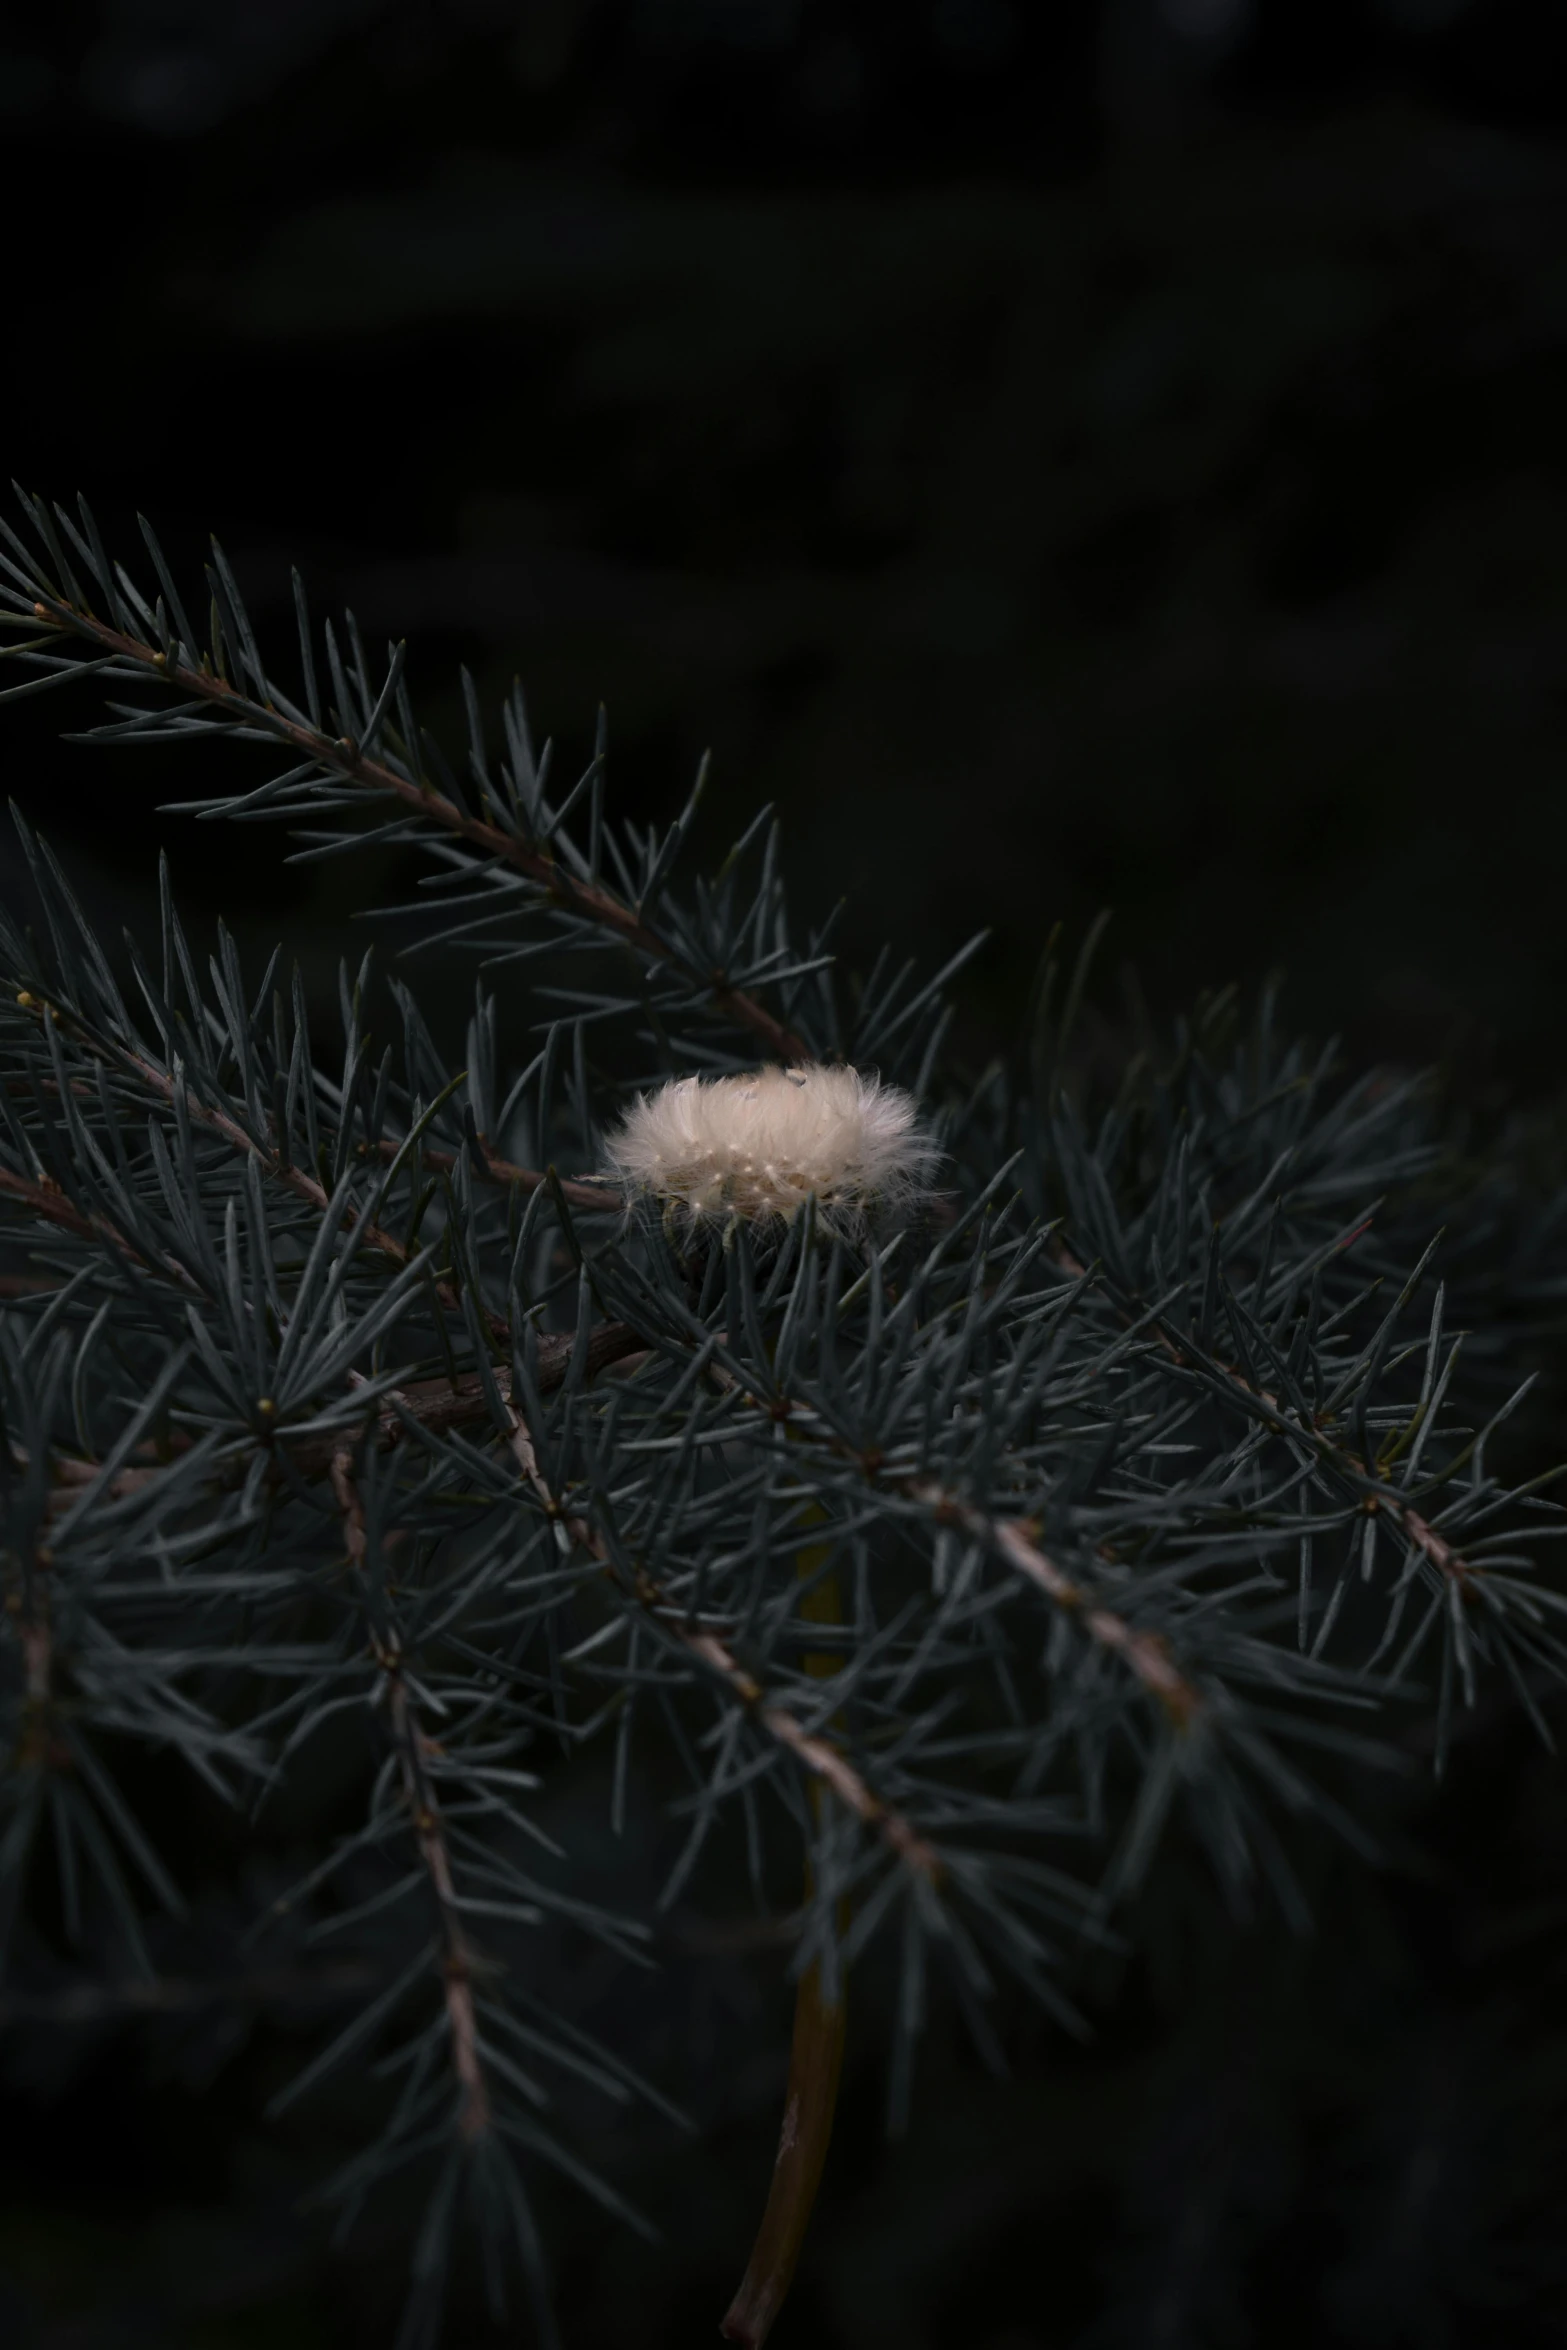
x,y
1375,1492
587,1197
430,1406
297,1311
818,1758
412,1748
48,1202
165,1086
1145,1654
347,761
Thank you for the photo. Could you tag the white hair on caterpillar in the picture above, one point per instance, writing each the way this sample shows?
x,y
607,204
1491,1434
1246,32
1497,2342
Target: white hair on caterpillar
x,y
761,1145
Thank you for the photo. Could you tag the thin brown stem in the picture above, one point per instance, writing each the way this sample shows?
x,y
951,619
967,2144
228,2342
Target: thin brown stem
x,y
817,1756
345,759
816,2056
1145,1653
1418,1529
294,1178
431,1404
821,2022
590,1198
588,1194
413,1751
49,1202
815,2062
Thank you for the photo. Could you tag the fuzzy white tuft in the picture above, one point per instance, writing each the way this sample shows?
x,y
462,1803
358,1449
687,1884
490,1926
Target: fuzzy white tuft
x,y
760,1146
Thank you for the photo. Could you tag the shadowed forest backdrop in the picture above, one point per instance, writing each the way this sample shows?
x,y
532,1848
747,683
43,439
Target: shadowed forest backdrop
x,y
1068,454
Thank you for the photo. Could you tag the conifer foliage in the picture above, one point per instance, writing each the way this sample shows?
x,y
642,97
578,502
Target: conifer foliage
x,y
954,1553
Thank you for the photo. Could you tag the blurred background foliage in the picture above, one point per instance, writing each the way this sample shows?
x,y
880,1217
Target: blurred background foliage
x,y
1066,453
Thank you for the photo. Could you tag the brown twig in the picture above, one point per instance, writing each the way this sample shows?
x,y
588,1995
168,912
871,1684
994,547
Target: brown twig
x,y
272,1163
1017,1539
47,1200
816,2055
590,1198
439,1404
432,1404
815,2063
1418,1529
413,1750
590,1195
818,1756
345,759
821,2019
1145,1653
820,1760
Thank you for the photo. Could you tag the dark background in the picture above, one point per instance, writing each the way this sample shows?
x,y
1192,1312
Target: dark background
x,y
1066,453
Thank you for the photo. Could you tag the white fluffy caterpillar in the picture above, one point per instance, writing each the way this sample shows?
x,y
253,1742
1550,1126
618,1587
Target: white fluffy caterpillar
x,y
760,1146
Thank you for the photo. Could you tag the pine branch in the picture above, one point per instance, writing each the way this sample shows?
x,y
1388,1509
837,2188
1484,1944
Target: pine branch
x,y
1015,1540
951,1550
432,1407
165,1086
817,1757
1376,1493
49,1202
588,1197
345,760
413,1748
